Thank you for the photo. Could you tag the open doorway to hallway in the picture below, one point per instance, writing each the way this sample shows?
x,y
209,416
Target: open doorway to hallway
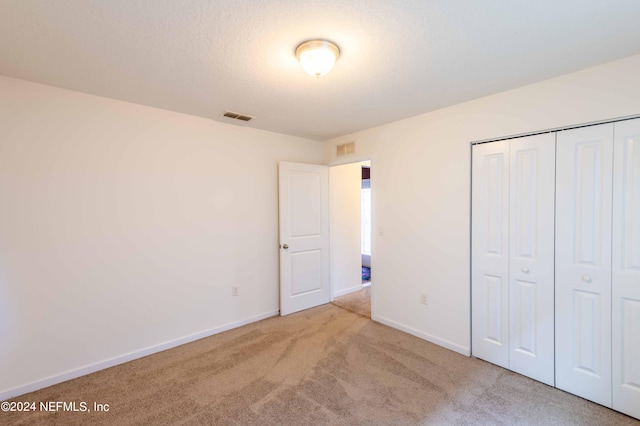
x,y
351,236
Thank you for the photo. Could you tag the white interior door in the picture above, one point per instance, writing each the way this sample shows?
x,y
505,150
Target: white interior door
x,y
531,260
583,262
490,253
626,268
304,236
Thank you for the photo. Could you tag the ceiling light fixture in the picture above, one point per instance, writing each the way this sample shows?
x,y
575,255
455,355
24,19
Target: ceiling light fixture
x,y
317,56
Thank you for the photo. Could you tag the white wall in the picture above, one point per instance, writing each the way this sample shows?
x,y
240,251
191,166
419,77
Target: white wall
x,y
123,228
422,167
346,184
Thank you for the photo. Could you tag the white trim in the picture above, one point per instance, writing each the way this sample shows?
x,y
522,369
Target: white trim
x,y
348,290
350,158
436,340
92,368
558,129
374,227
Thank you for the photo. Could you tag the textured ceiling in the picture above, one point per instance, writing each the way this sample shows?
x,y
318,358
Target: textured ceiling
x,y
399,58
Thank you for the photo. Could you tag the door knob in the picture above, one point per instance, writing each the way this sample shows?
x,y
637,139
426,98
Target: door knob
x,y
525,269
586,278
285,246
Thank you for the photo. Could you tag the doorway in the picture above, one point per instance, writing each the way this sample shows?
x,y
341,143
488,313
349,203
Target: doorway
x,y
351,236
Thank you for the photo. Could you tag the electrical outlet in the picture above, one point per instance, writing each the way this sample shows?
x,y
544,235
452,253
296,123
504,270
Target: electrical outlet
x,y
423,299
234,291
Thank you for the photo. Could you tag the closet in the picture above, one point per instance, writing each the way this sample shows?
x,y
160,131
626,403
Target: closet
x,y
556,259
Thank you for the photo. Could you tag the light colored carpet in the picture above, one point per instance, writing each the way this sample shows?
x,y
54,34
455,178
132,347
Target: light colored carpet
x,y
322,366
358,302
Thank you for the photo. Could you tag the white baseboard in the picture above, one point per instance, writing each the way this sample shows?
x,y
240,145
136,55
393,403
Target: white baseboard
x,y
440,342
92,368
347,290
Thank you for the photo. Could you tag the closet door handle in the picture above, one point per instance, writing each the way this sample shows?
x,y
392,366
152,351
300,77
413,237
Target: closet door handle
x,y
525,269
586,278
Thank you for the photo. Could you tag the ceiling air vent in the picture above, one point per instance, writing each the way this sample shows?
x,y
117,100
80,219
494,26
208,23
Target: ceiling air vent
x,y
237,116
346,149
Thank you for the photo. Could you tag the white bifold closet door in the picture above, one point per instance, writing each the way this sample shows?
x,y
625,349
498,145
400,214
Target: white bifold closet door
x,y
626,268
583,262
531,247
513,245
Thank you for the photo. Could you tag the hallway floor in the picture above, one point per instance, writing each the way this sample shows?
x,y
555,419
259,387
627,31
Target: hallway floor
x,y
358,302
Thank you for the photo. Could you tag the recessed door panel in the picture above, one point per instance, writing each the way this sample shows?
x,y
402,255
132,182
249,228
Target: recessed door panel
x,y
525,316
494,205
490,252
626,268
588,202
525,202
304,265
492,293
583,262
630,347
587,333
306,207
630,201
531,247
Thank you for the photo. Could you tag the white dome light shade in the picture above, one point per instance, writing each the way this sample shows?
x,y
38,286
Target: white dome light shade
x,y
317,56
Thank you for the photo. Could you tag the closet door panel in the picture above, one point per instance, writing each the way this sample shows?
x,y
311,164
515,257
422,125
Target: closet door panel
x,y
626,268
531,259
583,262
490,252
